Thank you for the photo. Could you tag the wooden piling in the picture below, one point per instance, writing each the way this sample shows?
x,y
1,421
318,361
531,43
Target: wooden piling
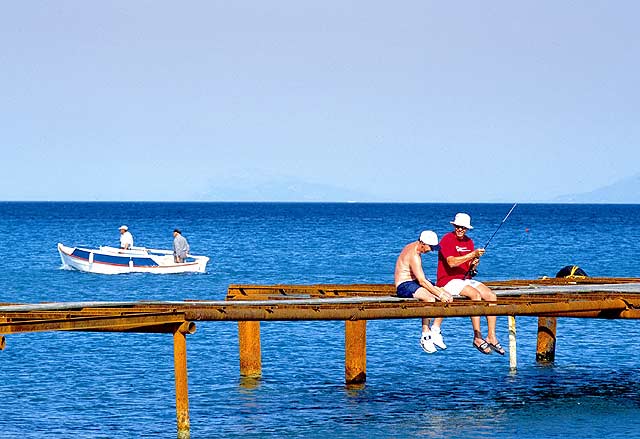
x,y
513,353
249,345
3,342
546,348
182,386
355,351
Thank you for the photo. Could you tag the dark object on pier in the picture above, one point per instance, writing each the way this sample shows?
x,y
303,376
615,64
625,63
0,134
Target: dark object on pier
x,y
571,271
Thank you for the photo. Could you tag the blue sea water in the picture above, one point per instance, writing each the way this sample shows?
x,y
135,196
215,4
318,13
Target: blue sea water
x,y
107,385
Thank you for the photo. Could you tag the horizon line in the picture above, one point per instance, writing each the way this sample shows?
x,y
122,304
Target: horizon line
x,y
319,202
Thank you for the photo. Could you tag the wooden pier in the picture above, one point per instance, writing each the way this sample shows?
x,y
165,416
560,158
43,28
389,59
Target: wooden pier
x,y
604,298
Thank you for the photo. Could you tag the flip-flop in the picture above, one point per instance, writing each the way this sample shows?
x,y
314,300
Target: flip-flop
x,y
482,347
497,347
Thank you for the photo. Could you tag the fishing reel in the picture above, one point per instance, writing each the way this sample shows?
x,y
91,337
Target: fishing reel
x,y
473,269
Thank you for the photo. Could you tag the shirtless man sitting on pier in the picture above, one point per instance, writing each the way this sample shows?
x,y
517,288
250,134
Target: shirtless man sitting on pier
x,y
411,282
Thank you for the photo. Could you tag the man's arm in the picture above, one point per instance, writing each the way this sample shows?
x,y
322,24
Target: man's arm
x,y
415,264
454,261
416,269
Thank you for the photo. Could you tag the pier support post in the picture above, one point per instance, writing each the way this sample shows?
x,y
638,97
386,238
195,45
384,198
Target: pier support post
x,y
546,348
3,342
182,385
249,345
513,353
355,351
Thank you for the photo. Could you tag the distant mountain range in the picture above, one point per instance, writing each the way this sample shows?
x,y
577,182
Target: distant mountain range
x,y
625,191
291,189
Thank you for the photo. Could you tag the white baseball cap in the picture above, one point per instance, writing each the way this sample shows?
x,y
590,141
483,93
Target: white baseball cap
x,y
428,237
123,228
462,220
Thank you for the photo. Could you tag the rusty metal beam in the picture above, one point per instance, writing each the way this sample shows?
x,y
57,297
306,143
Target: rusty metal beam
x,y
182,385
380,310
546,343
249,349
632,301
326,302
355,351
326,309
339,289
628,314
561,281
164,328
95,323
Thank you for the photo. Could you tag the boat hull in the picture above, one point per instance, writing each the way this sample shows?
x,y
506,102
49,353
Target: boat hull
x,y
110,260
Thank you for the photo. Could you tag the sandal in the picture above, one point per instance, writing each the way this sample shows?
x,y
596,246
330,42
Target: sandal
x,y
497,347
483,347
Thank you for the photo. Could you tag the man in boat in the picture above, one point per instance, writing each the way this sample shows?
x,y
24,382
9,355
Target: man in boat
x,y
126,239
180,246
457,260
410,280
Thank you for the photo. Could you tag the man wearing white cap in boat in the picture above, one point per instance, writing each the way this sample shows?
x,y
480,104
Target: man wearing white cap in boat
x,y
457,259
126,239
410,280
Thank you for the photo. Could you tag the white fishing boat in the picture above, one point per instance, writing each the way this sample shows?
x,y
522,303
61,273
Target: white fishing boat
x,y
111,260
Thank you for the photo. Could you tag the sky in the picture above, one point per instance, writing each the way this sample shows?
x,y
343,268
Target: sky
x,y
413,101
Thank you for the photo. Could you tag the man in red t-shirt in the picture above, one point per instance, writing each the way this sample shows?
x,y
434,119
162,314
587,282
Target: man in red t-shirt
x,y
456,259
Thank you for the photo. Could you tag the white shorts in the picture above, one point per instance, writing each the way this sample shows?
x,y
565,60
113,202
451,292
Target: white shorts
x,y
455,286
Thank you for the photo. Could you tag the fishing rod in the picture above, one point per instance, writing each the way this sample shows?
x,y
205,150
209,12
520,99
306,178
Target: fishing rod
x,y
472,269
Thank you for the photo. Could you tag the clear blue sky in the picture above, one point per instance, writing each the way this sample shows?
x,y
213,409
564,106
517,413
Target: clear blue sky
x,y
397,101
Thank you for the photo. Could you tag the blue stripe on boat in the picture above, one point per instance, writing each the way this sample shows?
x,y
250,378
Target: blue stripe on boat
x,y
114,260
144,262
108,259
80,254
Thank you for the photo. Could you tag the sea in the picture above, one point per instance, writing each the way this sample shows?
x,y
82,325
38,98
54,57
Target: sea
x,y
121,385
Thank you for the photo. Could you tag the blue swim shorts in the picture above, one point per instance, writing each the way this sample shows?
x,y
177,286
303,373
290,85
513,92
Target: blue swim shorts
x,y
406,289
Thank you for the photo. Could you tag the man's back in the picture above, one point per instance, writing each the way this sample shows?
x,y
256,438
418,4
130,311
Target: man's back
x,y
180,245
403,270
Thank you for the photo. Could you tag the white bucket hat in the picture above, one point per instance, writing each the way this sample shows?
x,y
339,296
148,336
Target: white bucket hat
x,y
462,220
428,237
125,228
